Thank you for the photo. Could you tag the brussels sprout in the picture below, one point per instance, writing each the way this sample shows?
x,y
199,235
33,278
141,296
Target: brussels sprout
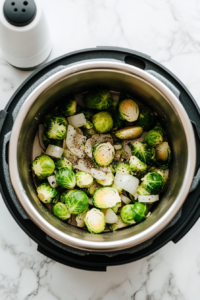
x,y
116,207
118,188
154,136
98,99
68,108
43,166
56,128
63,163
128,110
137,166
60,211
90,132
140,211
114,109
46,193
133,197
118,124
122,168
159,171
127,214
92,188
64,196
152,182
103,154
108,181
142,151
163,155
102,121
66,178
53,114
57,197
141,191
95,221
129,133
77,202
88,125
105,198
146,119
117,225
88,113
83,179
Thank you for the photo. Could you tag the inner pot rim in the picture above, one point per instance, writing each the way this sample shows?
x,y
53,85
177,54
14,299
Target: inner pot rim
x,y
34,214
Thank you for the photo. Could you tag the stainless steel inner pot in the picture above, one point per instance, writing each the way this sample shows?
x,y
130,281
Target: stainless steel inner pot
x,y
116,76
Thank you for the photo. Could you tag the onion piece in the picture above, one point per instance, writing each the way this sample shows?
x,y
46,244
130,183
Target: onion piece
x,y
70,156
105,169
52,181
95,139
80,220
79,99
75,142
40,134
125,199
98,174
110,216
85,165
115,95
54,151
127,182
148,198
77,120
90,201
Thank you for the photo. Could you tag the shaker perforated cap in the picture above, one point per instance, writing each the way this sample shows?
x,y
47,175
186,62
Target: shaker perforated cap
x,y
19,12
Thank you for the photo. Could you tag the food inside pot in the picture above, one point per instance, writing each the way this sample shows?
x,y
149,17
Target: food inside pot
x,y
103,165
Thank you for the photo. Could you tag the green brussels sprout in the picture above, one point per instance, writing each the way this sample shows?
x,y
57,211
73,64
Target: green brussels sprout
x,y
141,211
118,145
129,133
90,132
152,182
88,113
63,163
137,166
105,198
98,99
108,181
114,108
95,221
141,191
68,108
57,197
66,178
56,128
51,115
64,196
118,188
128,110
116,207
163,155
127,214
83,179
102,121
92,188
118,124
46,193
88,125
117,225
43,166
60,211
142,151
159,171
103,154
122,168
154,136
77,202
47,141
146,119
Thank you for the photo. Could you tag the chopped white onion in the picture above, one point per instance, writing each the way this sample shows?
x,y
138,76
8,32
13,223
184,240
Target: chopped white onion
x,y
70,156
95,139
148,198
125,199
79,99
77,120
54,151
110,216
79,131
85,165
105,169
166,172
90,201
127,182
118,147
115,95
136,196
75,141
80,220
52,181
98,174
40,134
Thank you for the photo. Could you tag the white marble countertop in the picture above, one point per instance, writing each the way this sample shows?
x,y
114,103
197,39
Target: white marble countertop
x,y
168,31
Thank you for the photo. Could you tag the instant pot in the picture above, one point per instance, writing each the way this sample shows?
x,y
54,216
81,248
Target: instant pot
x,y
119,70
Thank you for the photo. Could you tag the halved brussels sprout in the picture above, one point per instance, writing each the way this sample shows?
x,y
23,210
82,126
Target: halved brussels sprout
x,y
64,196
152,182
68,108
77,202
83,179
141,191
46,193
122,168
137,166
66,178
163,155
154,136
103,154
98,99
108,181
43,166
127,214
57,128
105,198
60,211
128,110
88,113
118,188
102,121
129,133
88,125
53,114
116,207
142,151
92,188
146,119
63,163
141,211
95,221
118,145
160,171
117,225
